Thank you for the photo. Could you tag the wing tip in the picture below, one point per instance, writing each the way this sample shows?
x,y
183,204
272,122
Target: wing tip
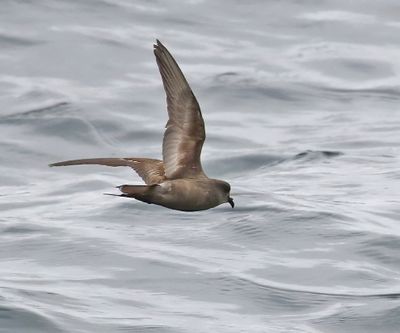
x,y
158,46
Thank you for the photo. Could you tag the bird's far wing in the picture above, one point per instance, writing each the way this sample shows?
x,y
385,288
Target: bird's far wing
x,y
150,170
185,134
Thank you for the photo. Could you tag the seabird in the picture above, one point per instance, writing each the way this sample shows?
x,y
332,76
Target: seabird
x,y
178,180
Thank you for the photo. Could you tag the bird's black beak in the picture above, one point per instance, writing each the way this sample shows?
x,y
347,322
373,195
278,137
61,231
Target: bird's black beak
x,y
230,200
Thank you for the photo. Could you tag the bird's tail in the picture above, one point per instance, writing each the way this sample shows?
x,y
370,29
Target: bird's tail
x,y
143,193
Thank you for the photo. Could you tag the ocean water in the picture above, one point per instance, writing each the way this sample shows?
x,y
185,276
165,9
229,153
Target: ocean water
x,y
301,103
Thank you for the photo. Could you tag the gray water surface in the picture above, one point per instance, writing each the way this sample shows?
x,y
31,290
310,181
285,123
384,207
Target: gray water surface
x,y
301,104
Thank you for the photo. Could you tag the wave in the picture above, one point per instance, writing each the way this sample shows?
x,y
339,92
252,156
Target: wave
x,y
24,319
38,111
317,155
8,40
248,162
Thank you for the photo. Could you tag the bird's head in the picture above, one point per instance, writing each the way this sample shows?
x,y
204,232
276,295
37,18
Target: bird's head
x,y
226,192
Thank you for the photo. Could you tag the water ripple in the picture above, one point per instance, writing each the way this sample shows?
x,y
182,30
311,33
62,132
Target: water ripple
x,y
301,112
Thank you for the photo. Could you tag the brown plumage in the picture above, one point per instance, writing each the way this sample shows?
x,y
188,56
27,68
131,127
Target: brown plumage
x,y
178,181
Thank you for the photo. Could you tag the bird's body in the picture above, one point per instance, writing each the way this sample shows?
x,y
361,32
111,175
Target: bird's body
x,y
178,181
194,194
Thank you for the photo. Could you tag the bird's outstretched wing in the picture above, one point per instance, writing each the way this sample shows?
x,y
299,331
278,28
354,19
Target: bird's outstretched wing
x,y
150,170
185,134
